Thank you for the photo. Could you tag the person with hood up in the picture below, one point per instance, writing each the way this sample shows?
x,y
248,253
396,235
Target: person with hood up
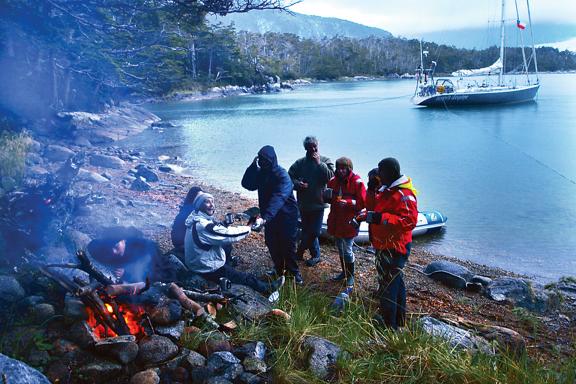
x,y
347,200
310,175
278,210
392,215
203,248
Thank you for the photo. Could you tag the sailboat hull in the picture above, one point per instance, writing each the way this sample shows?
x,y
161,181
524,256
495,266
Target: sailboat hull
x,y
479,96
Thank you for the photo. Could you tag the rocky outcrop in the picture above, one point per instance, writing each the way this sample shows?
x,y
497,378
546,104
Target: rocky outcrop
x,y
322,356
16,372
524,294
456,337
116,123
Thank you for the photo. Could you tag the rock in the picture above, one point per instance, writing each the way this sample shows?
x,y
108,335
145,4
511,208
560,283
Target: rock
x,y
99,371
483,280
122,348
42,312
10,290
116,123
451,274
214,343
33,158
16,372
255,350
156,349
148,376
322,356
177,361
171,168
166,313
456,337
224,364
254,365
194,359
78,239
256,306
31,301
146,173
140,185
106,161
91,177
163,124
172,331
218,380
57,153
38,358
522,293
200,374
81,333
508,339
249,378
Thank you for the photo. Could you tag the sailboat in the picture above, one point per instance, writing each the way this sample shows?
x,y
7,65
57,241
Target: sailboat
x,y
461,90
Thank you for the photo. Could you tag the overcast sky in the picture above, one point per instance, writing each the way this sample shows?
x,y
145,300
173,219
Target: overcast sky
x,y
407,17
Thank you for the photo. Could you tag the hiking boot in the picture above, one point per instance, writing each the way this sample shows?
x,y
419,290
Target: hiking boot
x,y
339,277
298,278
275,288
313,261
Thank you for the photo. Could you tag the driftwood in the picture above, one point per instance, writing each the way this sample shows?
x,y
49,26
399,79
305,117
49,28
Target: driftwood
x,y
187,303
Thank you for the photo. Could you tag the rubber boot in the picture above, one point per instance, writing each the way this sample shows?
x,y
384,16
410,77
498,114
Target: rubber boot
x,y
342,275
349,274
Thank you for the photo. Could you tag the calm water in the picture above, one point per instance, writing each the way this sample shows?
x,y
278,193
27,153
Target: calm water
x,y
504,176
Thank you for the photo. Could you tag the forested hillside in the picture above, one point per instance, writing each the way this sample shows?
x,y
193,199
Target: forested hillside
x,y
65,55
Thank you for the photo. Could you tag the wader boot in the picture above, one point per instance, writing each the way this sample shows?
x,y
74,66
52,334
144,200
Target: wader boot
x,y
349,274
342,275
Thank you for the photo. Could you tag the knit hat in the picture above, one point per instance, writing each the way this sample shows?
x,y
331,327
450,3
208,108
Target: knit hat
x,y
199,200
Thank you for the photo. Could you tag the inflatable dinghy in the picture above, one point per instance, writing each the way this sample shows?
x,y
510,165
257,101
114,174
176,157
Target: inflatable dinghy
x,y
428,222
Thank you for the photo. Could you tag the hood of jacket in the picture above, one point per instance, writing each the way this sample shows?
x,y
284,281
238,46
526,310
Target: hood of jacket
x,y
269,154
402,182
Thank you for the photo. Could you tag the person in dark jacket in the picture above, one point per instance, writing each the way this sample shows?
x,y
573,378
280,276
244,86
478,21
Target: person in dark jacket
x,y
178,232
310,175
278,209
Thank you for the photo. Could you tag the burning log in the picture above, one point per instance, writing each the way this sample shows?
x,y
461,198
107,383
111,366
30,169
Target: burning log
x,y
127,289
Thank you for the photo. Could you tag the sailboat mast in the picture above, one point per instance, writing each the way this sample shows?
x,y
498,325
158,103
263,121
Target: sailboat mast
x,y
532,38
501,77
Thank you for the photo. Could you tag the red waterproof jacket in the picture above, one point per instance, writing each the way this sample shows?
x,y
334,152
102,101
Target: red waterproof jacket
x,y
348,198
399,209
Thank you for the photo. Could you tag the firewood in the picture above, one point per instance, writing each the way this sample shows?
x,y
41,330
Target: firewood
x,y
187,303
126,289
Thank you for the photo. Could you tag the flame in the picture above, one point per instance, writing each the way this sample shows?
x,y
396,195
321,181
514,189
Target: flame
x,y
132,315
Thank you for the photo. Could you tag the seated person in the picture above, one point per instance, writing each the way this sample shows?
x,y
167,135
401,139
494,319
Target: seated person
x,y
131,257
204,252
178,232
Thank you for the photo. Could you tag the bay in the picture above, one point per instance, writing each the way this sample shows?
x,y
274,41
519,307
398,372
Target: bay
x,y
505,176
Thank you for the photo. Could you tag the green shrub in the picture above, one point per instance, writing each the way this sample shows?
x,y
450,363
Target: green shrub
x,y
13,149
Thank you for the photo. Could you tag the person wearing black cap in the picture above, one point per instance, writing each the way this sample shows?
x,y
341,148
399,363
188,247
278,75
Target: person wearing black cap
x,y
204,252
392,215
278,210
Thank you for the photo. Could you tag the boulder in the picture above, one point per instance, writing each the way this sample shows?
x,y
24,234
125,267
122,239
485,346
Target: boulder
x,y
456,337
156,349
123,348
253,306
140,185
106,161
255,350
224,364
149,175
148,376
91,177
254,365
99,371
194,359
16,372
81,333
523,293
57,153
42,312
166,313
10,290
173,331
321,356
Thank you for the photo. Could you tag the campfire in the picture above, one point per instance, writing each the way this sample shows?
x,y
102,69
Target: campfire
x,y
132,315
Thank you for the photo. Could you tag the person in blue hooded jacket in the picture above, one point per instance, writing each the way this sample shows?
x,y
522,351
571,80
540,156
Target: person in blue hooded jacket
x,y
278,210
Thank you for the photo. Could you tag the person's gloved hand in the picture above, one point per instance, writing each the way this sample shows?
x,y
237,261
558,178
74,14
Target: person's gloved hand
x,y
258,224
355,222
373,217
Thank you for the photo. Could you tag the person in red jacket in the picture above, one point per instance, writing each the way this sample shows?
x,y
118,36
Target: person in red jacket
x,y
392,215
348,196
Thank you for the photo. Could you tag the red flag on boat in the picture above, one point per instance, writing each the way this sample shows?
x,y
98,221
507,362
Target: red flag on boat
x,y
520,25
